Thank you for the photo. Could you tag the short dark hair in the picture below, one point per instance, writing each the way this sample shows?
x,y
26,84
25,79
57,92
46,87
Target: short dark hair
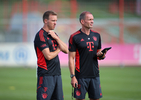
x,y
47,13
82,15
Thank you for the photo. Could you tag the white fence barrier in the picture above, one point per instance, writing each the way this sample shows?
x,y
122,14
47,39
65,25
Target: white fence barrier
x,y
17,54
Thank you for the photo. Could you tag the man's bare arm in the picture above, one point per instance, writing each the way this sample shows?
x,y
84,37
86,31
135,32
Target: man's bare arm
x,y
62,45
50,55
71,68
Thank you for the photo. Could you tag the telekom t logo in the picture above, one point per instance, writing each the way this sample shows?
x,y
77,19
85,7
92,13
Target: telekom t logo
x,y
54,44
90,45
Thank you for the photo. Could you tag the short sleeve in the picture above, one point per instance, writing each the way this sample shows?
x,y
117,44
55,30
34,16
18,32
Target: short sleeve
x,y
99,42
72,44
40,41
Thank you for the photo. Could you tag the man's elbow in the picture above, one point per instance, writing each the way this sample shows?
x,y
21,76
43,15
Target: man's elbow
x,y
48,57
66,51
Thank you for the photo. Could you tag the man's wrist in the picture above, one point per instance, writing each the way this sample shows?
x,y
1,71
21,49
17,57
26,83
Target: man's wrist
x,y
103,58
72,75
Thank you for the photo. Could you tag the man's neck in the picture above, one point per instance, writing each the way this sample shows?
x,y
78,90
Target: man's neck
x,y
85,30
46,28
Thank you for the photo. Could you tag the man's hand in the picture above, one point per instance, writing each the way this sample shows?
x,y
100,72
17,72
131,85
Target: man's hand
x,y
101,55
74,81
53,35
63,47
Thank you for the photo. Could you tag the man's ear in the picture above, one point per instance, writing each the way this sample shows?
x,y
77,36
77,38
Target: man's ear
x,y
82,21
45,20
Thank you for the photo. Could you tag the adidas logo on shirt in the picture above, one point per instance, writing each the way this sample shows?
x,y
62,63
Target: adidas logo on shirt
x,y
82,39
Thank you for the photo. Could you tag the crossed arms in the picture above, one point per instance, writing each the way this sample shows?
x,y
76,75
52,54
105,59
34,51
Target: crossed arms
x,y
62,47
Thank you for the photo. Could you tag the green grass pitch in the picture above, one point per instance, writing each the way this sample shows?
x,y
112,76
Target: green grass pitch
x,y
116,83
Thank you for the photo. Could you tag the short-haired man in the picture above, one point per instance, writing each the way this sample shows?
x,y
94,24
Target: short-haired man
x,y
47,46
84,49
